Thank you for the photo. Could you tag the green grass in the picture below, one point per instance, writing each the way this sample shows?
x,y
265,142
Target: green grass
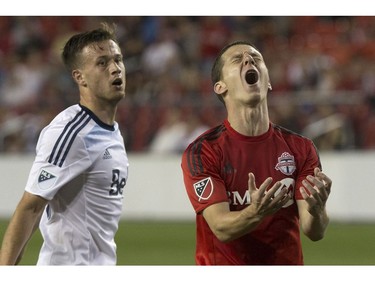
x,y
344,244
173,243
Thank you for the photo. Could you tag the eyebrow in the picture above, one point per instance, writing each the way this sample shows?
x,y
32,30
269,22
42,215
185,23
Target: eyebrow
x,y
106,57
236,55
239,54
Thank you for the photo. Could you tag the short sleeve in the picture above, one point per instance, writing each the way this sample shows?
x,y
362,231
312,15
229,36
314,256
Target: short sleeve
x,y
201,173
47,175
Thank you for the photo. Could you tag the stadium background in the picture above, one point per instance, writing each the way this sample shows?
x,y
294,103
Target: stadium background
x,y
323,76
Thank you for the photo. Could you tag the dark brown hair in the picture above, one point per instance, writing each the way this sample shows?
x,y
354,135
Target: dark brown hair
x,y
77,42
218,63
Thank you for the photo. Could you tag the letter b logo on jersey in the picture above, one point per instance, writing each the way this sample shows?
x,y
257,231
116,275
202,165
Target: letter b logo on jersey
x,y
118,183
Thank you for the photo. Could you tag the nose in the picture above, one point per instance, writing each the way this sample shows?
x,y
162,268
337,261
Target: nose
x,y
248,59
115,68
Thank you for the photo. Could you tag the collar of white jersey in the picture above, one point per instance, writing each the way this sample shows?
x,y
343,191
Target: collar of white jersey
x,y
97,120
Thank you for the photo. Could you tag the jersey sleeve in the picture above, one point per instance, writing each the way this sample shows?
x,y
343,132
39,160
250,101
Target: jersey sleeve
x,y
59,159
201,173
309,162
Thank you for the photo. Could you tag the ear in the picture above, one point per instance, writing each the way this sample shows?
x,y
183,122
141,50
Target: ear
x,y
220,88
269,86
78,77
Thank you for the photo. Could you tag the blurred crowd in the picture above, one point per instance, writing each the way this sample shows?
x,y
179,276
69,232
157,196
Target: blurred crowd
x,y
322,73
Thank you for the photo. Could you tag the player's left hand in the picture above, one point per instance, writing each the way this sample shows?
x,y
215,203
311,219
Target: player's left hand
x,y
315,191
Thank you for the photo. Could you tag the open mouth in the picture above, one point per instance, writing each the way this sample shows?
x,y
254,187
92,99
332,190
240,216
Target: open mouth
x,y
251,76
117,82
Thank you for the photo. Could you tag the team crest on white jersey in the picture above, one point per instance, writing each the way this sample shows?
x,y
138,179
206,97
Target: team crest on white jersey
x,y
204,188
286,164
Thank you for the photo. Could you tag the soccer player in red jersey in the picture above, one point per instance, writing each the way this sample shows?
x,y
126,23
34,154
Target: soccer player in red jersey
x,y
252,183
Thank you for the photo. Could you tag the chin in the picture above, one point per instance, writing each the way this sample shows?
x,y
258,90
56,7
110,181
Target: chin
x,y
115,99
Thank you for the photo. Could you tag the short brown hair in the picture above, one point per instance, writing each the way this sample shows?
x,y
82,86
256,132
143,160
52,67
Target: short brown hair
x,y
218,63
77,42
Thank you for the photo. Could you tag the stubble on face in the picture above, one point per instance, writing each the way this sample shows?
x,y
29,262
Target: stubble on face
x,y
98,66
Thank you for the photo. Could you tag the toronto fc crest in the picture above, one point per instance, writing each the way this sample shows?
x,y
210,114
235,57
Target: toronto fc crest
x,y
286,164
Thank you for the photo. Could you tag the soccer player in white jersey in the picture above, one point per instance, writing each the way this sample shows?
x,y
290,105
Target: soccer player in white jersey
x,y
74,192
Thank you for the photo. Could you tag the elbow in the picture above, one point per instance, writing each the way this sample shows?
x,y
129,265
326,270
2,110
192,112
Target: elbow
x,y
227,234
315,236
221,233
222,236
224,239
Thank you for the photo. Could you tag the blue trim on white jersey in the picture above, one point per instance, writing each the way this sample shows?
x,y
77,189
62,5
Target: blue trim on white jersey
x,y
70,132
97,120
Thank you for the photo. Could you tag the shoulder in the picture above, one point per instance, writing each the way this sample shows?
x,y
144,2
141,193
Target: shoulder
x,y
65,127
297,142
202,152
289,134
72,114
70,120
207,138
64,134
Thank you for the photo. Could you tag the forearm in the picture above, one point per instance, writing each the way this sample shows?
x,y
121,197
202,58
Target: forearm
x,y
22,225
231,225
19,231
312,209
237,227
315,226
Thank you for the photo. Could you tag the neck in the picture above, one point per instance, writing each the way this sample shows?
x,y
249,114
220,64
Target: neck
x,y
104,111
249,121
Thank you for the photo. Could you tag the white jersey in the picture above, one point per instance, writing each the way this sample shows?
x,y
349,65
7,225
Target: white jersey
x,y
81,167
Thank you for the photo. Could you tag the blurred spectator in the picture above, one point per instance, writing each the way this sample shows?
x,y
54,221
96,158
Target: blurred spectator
x,y
162,54
22,84
319,62
193,129
176,131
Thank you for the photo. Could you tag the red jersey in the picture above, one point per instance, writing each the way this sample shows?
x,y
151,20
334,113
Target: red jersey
x,y
215,168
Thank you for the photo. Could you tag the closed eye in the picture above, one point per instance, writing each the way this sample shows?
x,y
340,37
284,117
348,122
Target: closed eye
x,y
237,59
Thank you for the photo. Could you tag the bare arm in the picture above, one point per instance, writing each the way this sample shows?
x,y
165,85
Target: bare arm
x,y
21,227
228,225
312,210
